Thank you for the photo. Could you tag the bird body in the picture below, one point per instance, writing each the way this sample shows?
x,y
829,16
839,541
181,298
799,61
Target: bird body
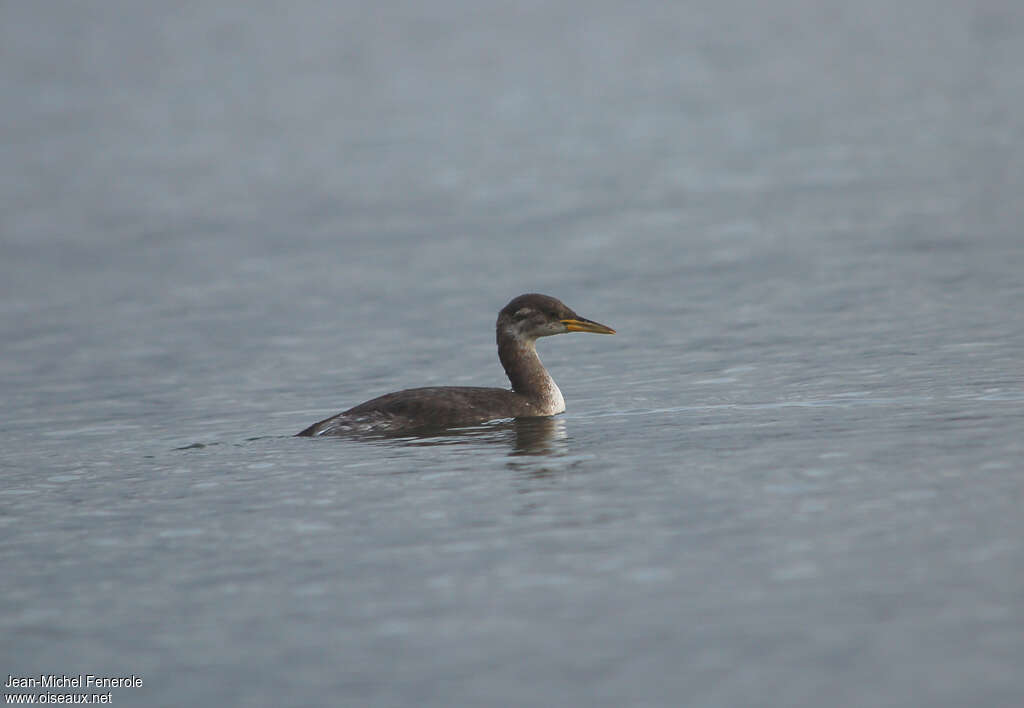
x,y
534,393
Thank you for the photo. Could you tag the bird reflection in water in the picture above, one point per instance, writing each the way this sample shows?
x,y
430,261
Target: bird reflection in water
x,y
537,447
525,436
539,436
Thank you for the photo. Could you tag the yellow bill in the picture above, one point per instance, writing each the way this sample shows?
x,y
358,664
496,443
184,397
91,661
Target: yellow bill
x,y
584,325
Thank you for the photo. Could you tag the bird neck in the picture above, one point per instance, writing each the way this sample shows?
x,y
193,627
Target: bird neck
x,y
527,374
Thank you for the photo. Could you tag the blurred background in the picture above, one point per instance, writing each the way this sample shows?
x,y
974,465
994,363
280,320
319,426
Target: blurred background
x,y
793,478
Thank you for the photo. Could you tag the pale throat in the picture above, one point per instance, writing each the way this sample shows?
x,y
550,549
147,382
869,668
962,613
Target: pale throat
x,y
526,372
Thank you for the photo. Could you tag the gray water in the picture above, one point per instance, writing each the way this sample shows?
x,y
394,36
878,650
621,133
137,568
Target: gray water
x,y
793,478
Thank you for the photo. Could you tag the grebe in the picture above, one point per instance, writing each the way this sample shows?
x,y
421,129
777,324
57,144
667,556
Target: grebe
x,y
534,393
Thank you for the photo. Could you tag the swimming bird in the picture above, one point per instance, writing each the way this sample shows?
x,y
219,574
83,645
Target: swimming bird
x,y
534,393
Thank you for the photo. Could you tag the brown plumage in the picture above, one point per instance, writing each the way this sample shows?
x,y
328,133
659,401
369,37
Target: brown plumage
x,y
534,392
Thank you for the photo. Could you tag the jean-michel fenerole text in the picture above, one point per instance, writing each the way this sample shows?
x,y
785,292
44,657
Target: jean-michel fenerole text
x,y
87,681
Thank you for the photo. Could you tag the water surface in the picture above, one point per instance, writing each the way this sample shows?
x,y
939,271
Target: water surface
x,y
792,478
